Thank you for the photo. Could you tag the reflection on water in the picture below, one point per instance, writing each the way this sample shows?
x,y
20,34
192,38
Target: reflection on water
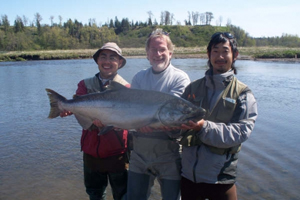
x,y
41,158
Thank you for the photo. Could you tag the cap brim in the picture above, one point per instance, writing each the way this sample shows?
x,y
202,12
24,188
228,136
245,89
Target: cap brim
x,y
95,56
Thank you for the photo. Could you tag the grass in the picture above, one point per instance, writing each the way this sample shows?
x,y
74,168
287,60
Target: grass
x,y
270,52
179,52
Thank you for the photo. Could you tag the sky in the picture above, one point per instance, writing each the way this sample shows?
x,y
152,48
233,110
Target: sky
x,y
259,18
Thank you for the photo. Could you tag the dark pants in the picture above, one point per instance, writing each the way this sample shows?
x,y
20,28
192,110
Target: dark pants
x,y
202,191
96,178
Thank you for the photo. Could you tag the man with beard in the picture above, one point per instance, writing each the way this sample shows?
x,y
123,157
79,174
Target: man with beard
x,y
156,154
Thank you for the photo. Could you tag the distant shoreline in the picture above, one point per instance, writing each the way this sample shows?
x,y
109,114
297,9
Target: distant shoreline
x,y
204,56
246,53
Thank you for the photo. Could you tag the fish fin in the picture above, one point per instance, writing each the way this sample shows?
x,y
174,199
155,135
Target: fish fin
x,y
105,130
116,86
84,122
54,99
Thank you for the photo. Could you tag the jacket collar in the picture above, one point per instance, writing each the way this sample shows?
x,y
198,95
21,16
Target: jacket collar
x,y
219,80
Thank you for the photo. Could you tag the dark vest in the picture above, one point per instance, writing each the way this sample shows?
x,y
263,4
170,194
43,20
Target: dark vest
x,y
108,144
94,84
222,111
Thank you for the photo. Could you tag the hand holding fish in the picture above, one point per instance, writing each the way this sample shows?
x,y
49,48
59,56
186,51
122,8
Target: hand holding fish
x,y
98,123
65,113
147,129
126,109
197,126
103,128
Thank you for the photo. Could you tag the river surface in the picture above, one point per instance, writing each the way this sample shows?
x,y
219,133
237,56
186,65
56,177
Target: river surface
x,y
40,158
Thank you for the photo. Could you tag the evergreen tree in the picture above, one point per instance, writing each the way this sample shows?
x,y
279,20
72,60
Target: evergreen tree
x,y
118,28
111,24
5,23
38,19
19,26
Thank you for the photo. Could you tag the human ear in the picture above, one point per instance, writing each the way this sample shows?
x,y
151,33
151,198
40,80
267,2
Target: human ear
x,y
121,63
235,55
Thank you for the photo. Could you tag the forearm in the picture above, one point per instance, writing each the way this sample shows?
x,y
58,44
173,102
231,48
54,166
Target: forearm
x,y
237,131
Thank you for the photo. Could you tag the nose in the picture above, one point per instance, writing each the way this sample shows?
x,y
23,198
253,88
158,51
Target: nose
x,y
157,52
220,55
106,60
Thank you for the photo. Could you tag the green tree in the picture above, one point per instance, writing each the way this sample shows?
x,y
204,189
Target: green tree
x,y
208,16
150,18
249,42
111,24
19,26
2,40
108,35
94,37
17,42
118,28
243,38
289,40
38,19
5,23
125,25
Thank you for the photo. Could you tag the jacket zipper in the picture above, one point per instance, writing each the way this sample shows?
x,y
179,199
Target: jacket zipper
x,y
98,145
195,165
82,141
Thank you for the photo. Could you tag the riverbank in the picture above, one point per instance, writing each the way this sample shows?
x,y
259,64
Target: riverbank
x,y
273,54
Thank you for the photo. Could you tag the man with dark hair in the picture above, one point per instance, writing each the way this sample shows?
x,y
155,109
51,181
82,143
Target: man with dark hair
x,y
104,156
211,145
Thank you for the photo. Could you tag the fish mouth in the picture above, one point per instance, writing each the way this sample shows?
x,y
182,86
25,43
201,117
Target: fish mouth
x,y
175,113
187,119
198,115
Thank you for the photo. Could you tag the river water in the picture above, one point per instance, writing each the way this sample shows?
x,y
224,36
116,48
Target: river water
x,y
41,158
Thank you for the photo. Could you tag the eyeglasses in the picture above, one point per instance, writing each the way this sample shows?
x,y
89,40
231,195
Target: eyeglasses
x,y
226,34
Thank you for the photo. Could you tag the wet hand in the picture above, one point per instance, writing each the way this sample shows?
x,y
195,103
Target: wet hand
x,y
65,113
98,123
197,126
145,129
166,128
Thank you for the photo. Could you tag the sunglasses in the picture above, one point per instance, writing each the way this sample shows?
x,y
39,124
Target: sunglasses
x,y
226,34
163,32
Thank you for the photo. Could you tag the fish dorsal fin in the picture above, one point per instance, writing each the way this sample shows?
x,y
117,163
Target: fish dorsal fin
x,y
116,86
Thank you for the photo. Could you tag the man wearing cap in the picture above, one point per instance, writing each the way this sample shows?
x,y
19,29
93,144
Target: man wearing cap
x,y
104,156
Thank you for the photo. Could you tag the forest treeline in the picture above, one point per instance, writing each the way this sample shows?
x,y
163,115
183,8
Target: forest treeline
x,y
73,34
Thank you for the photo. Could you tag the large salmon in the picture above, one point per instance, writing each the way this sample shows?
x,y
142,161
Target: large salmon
x,y
126,108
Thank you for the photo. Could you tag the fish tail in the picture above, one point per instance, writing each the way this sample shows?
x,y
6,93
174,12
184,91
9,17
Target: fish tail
x,y
54,98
